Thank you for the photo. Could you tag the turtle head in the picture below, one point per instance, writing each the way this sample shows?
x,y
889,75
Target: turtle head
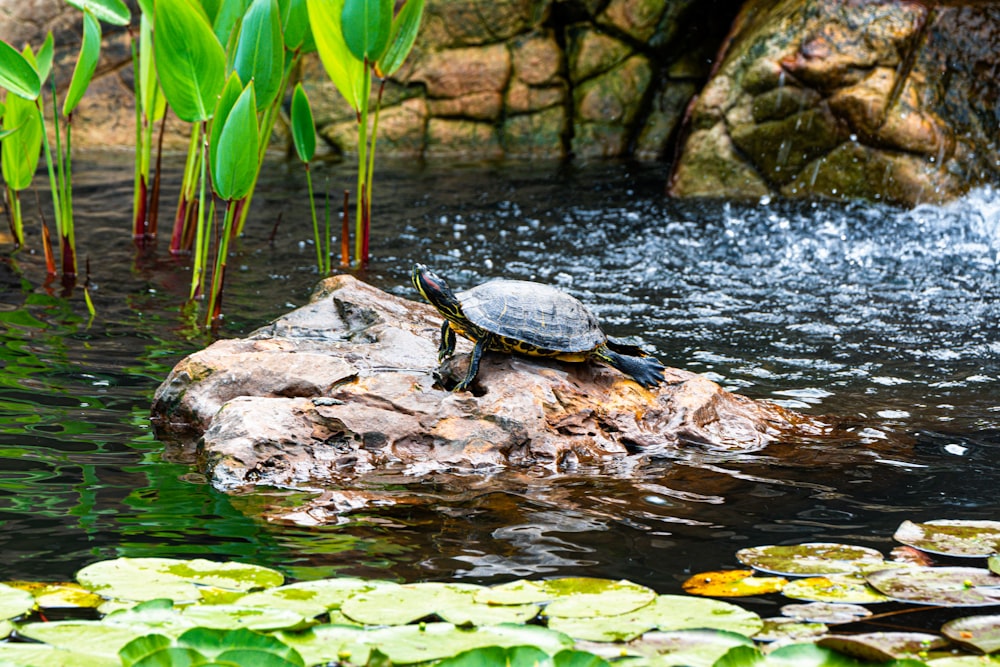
x,y
435,289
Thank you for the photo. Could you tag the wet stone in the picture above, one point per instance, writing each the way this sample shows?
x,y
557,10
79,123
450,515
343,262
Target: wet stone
x,y
350,383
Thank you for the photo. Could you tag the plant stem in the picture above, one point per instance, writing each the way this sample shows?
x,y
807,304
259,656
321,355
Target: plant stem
x,y
201,237
69,250
188,183
218,276
366,86
320,264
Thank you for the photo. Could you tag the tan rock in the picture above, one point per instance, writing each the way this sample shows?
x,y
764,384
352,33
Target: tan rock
x,y
485,105
537,60
350,383
461,72
469,137
522,98
636,18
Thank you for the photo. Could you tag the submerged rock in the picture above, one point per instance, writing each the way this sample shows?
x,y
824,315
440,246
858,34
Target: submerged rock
x,y
350,383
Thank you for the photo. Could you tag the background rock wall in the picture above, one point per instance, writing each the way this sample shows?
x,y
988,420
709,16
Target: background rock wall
x,y
520,78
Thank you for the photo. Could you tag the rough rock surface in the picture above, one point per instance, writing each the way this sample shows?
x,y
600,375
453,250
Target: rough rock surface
x,y
882,100
350,383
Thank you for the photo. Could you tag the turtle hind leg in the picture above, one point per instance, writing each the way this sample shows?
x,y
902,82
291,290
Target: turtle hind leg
x,y
647,371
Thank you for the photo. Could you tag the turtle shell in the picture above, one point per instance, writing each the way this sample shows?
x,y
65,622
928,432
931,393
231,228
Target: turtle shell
x,y
541,316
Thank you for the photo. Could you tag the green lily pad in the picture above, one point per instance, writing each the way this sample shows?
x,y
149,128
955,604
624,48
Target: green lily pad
x,y
732,583
312,598
945,586
781,628
964,661
408,644
994,564
178,580
811,558
92,637
6,627
619,628
581,597
845,588
515,656
980,633
826,612
234,617
949,537
43,655
884,646
155,616
328,643
515,592
694,648
14,602
455,603
682,612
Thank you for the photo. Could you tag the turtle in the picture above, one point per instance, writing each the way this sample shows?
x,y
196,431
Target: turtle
x,y
519,316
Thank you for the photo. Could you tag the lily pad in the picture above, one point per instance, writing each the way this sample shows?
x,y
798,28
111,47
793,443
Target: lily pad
x,y
305,597
178,580
694,648
66,595
732,583
234,617
43,655
781,628
14,602
619,628
964,661
811,558
681,612
884,646
408,644
994,564
93,637
945,586
456,603
328,643
845,588
950,537
572,596
980,633
581,597
826,612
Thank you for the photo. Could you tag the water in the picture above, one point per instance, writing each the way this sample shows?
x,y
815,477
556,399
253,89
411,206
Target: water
x,y
883,321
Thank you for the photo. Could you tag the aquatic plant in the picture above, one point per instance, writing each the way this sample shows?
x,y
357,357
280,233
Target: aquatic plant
x,y
163,611
357,39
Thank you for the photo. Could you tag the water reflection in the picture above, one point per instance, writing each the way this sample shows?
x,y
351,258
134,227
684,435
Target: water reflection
x,y
884,320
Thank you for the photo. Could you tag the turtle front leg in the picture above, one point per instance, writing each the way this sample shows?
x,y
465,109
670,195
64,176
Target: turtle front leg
x,y
477,354
447,346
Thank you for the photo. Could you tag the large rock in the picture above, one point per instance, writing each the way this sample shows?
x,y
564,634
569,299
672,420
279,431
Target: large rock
x,y
350,383
887,100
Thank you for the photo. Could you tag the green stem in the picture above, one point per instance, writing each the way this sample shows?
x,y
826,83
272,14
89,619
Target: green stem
x,y
320,264
215,295
16,222
362,162
201,234
371,155
68,198
53,186
188,183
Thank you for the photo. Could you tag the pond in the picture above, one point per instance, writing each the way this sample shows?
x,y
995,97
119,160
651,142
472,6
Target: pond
x,y
883,321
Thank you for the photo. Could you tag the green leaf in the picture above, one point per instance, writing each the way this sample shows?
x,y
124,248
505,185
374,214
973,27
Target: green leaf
x,y
236,158
228,18
260,51
295,20
22,147
231,93
140,648
575,658
303,128
346,71
44,58
16,74
86,64
405,27
110,11
367,25
190,60
153,102
809,558
496,656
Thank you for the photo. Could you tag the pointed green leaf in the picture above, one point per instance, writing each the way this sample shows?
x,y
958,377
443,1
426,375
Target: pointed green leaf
x,y
303,128
366,25
22,148
227,100
110,11
86,64
140,648
260,51
211,8
236,158
190,61
16,74
405,27
295,21
44,58
346,72
228,18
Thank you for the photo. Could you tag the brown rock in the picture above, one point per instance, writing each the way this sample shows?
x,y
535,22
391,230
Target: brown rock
x,y
461,72
350,383
537,60
474,106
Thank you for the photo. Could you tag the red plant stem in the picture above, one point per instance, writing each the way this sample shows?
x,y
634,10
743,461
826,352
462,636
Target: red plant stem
x,y
50,259
154,197
140,224
177,238
345,232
